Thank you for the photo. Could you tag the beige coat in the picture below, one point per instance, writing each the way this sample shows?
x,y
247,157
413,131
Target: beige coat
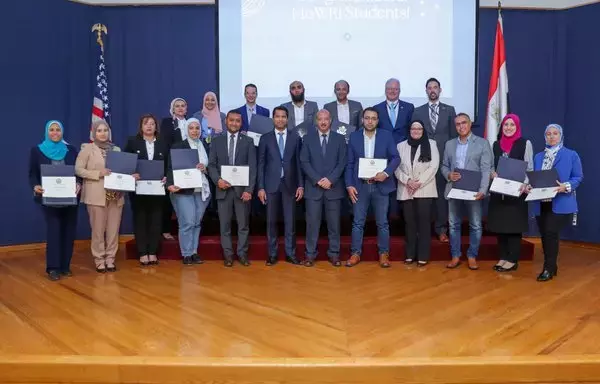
x,y
88,166
423,172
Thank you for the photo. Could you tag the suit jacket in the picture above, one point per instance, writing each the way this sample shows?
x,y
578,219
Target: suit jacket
x,y
270,163
244,112
417,170
169,132
479,158
403,119
88,165
310,113
384,149
445,129
136,144
355,112
316,167
245,154
568,166
37,158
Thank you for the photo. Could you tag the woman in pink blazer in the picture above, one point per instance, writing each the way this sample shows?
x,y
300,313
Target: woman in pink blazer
x,y
419,162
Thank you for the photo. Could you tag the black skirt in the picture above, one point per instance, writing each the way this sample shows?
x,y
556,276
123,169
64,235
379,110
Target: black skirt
x,y
507,214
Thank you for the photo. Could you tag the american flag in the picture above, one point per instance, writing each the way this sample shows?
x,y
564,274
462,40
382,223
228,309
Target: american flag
x,y
101,106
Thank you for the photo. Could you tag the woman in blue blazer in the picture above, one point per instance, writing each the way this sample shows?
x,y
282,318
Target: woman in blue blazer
x,y
553,215
61,221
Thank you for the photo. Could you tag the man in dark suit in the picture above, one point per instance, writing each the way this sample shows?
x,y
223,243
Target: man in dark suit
x,y
323,159
371,143
439,123
233,148
346,114
280,183
299,109
395,115
251,108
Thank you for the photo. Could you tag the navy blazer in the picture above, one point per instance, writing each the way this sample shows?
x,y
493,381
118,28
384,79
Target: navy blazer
x,y
316,167
568,166
384,149
244,112
403,119
270,162
37,158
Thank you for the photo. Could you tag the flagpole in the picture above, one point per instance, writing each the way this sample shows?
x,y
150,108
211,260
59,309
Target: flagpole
x,y
499,8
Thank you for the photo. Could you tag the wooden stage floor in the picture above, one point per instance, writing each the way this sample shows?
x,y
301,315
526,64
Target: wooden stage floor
x,y
291,324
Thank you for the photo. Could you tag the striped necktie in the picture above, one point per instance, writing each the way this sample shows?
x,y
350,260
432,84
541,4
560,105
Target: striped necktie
x,y
433,115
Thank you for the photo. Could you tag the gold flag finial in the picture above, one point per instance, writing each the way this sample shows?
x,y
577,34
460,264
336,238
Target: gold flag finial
x,y
99,29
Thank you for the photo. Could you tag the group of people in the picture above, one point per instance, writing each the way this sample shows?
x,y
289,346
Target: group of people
x,y
313,155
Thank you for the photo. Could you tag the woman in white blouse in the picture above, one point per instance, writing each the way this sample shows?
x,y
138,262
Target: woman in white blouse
x,y
419,162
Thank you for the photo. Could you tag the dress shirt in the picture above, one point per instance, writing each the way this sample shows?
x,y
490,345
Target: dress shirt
x,y
343,112
299,113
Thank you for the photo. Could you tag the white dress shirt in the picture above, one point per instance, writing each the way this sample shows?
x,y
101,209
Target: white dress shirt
x,y
181,124
299,113
343,112
369,145
150,148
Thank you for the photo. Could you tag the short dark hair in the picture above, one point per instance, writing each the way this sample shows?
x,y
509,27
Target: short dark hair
x,y
432,79
143,120
234,112
281,108
341,81
250,85
370,109
463,114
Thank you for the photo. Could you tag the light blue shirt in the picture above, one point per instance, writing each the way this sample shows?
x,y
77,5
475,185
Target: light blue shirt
x,y
461,152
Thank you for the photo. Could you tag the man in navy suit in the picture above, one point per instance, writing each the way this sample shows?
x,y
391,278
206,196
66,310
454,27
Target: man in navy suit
x,y
323,159
394,114
280,182
250,108
371,143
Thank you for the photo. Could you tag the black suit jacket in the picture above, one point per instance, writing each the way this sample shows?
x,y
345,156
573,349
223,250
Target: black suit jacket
x,y
37,158
136,144
270,162
245,154
169,132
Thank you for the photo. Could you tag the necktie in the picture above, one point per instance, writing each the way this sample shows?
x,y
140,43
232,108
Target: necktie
x,y
324,144
281,146
393,114
231,150
250,115
433,115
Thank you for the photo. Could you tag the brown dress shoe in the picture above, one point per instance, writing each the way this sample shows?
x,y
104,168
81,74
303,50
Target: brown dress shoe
x,y
353,260
384,260
444,238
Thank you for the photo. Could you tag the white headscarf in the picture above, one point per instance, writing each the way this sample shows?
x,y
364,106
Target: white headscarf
x,y
202,156
180,122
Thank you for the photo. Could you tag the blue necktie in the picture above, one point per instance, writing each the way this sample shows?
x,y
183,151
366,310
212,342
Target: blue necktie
x,y
281,146
324,144
393,114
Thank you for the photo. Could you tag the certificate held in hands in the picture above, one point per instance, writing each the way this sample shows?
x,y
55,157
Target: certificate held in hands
x,y
467,186
185,173
511,175
368,168
259,125
543,184
236,175
59,184
122,165
151,175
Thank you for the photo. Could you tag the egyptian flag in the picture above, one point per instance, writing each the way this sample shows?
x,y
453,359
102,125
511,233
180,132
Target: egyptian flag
x,y
498,93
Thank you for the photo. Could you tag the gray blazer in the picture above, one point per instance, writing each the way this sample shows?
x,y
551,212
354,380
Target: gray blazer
x,y
310,113
445,129
355,112
479,158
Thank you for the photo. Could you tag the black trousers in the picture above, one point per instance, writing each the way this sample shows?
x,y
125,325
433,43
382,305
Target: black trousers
x,y
147,218
417,218
61,225
509,246
550,224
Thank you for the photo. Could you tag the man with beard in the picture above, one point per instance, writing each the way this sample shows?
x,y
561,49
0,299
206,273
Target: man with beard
x,y
346,114
300,110
439,123
251,108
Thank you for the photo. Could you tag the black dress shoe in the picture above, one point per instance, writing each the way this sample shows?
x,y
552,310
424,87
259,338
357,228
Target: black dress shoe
x,y
292,260
111,269
545,275
53,276
244,261
187,260
196,259
513,268
100,270
271,261
66,273
228,263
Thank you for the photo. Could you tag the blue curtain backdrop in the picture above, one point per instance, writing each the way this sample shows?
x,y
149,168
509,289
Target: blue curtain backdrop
x,y
157,53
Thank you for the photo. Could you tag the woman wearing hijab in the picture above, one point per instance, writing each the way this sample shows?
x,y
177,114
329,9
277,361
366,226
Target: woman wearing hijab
x,y
190,204
104,206
61,221
508,216
212,121
553,215
419,162
172,130
147,210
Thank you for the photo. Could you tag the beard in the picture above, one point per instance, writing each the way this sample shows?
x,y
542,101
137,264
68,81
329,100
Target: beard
x,y
297,99
433,96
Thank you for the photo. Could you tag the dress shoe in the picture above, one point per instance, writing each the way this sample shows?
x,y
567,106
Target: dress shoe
x,y
292,260
507,268
187,260
422,263
144,260
499,265
353,260
67,273
545,275
196,259
153,260
111,268
244,261
271,261
101,269
53,276
309,263
408,261
384,260
228,263
336,263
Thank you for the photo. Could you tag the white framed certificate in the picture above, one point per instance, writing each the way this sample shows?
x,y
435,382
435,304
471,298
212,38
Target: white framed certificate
x,y
236,175
187,178
368,168
254,136
150,187
59,186
119,182
506,187
542,193
461,194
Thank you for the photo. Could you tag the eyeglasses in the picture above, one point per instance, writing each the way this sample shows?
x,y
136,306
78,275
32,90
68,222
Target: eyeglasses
x,y
370,118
